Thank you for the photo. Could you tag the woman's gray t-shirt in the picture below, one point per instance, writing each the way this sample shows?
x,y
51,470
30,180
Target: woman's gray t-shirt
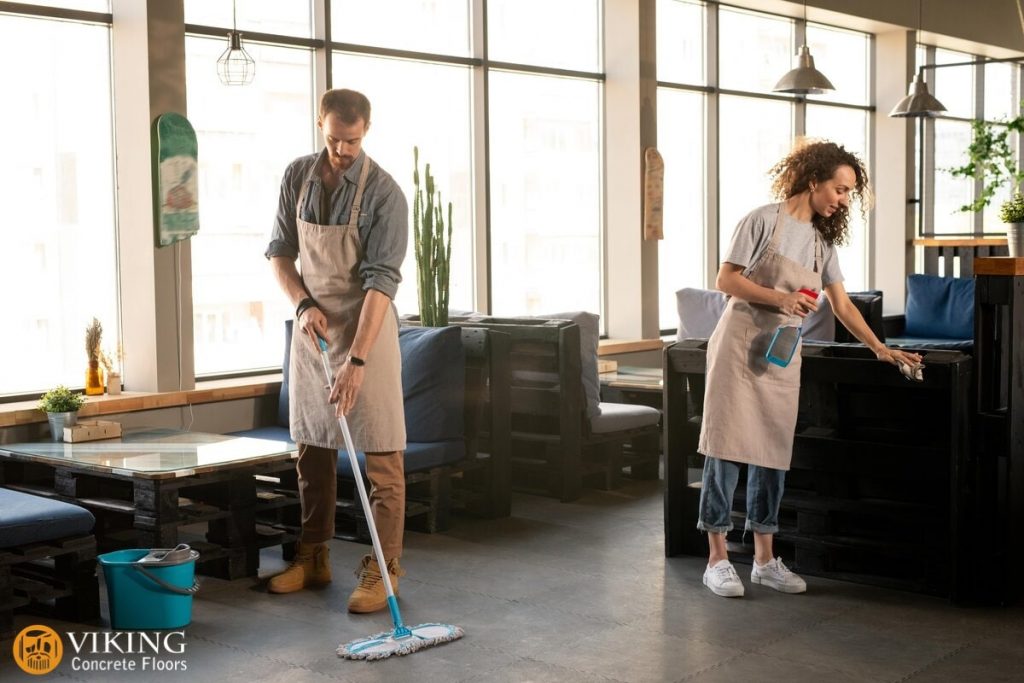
x,y
796,242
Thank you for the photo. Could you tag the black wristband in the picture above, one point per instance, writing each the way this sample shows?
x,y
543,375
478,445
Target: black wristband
x,y
308,302
355,360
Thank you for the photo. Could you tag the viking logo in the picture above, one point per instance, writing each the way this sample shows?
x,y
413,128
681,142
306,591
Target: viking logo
x,y
38,649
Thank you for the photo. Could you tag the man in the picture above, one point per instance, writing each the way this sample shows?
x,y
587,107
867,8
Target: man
x,y
346,220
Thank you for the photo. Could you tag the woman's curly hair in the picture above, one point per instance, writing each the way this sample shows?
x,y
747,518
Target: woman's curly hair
x,y
817,161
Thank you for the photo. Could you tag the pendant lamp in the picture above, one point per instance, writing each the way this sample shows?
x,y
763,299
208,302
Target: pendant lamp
x,y
804,79
919,102
235,66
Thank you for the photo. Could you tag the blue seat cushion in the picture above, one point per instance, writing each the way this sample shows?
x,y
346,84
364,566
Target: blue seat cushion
x,y
939,307
433,382
33,519
282,397
963,345
419,457
271,433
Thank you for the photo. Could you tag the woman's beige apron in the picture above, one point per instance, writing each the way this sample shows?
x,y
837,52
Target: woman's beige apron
x,y
750,405
329,258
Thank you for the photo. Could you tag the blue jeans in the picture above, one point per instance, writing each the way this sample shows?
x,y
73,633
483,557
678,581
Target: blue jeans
x,y
764,495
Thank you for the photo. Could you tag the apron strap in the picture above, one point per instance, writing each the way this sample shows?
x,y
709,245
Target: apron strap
x,y
353,218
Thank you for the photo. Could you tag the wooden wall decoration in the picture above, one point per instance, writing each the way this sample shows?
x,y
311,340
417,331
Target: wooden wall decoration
x,y
654,194
175,179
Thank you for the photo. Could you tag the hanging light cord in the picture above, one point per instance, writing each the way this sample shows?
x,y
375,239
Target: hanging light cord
x,y
1020,13
234,15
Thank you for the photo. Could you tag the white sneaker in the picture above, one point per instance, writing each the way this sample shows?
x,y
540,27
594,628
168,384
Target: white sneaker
x,y
723,580
776,575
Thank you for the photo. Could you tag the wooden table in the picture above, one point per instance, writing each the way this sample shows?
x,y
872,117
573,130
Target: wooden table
x,y
146,486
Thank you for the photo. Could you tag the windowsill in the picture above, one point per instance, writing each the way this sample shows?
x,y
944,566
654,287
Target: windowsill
x,y
25,412
610,347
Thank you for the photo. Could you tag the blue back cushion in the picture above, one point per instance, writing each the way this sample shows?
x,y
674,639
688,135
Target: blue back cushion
x,y
282,399
940,307
433,382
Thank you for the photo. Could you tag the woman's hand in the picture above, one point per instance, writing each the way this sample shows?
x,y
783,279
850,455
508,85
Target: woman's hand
x,y
346,388
797,303
895,356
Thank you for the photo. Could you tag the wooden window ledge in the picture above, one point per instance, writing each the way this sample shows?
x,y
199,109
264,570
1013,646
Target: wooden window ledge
x,y
25,412
609,347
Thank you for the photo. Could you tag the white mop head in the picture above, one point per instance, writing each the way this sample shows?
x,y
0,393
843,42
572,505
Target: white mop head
x,y
386,644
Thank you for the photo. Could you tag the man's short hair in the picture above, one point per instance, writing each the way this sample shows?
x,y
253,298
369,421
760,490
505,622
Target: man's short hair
x,y
347,105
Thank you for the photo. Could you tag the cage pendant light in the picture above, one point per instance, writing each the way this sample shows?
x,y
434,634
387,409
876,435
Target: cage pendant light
x,y
919,102
235,66
804,79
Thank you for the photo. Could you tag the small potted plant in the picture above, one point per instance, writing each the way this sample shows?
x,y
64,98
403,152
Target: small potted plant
x,y
1012,213
61,406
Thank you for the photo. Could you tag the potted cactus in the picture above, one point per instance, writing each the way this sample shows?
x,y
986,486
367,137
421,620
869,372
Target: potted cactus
x,y
433,245
61,406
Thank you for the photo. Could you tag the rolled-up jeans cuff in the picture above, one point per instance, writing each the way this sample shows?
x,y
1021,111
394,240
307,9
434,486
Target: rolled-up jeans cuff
x,y
761,528
714,529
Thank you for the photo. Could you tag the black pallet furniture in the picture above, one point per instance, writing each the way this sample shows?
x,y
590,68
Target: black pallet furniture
x,y
554,450
880,489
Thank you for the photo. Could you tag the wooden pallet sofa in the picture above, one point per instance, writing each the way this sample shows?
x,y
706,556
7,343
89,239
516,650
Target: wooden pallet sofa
x,y
563,435
47,559
455,387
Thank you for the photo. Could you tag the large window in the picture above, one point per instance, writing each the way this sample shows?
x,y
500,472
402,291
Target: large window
x,y
545,194
545,157
443,137
247,136
682,139
968,91
747,130
58,231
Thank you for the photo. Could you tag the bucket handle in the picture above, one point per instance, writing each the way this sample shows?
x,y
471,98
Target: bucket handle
x,y
191,590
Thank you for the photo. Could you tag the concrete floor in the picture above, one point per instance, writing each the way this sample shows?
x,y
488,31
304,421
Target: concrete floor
x,y
578,592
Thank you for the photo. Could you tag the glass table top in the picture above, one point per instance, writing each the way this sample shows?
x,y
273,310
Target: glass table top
x,y
155,452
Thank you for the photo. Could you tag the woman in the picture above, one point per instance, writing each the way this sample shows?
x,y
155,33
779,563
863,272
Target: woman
x,y
750,405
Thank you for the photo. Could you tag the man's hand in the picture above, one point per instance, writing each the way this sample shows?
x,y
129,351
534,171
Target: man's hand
x,y
346,388
313,323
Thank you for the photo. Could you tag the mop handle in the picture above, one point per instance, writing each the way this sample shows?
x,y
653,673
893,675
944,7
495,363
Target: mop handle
x,y
396,616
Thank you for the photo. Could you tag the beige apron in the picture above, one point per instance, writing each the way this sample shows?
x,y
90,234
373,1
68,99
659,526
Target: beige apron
x,y
750,405
329,258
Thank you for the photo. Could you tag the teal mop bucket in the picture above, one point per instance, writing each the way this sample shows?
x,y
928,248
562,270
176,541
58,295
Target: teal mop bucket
x,y
150,589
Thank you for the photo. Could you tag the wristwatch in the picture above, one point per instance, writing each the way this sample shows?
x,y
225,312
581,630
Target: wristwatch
x,y
357,361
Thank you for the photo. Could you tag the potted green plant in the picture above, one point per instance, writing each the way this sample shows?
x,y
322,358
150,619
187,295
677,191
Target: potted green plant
x,y
991,158
1012,213
433,245
61,406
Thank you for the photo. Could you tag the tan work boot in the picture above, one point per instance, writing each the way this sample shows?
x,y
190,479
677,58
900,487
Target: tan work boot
x,y
370,595
311,567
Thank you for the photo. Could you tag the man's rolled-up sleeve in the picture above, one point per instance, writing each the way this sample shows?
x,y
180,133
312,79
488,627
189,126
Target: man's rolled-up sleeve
x,y
386,244
284,237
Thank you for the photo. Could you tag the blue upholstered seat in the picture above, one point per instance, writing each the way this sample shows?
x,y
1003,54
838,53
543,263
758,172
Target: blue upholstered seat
x,y
433,392
25,518
418,456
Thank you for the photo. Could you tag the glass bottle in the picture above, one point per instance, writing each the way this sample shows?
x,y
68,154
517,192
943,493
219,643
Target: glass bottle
x,y
94,379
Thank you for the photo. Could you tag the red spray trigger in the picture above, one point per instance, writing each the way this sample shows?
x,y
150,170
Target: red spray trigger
x,y
809,292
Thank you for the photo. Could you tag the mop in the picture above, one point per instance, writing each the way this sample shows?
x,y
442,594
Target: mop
x,y
403,640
